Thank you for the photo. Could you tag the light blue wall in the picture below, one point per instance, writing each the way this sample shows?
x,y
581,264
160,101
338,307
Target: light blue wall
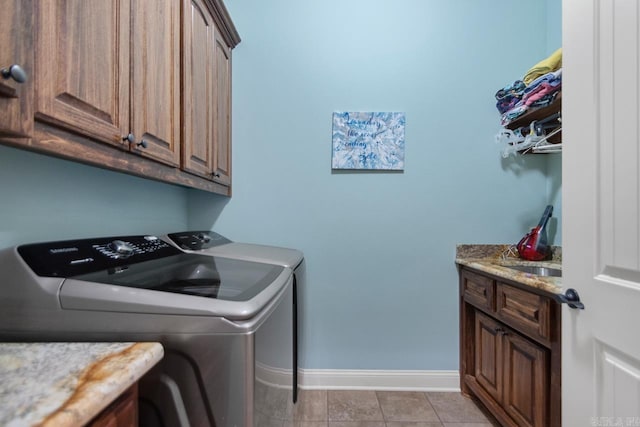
x,y
554,25
44,198
554,190
381,289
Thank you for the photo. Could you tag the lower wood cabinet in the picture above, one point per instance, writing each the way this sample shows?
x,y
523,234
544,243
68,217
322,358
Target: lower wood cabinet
x,y
510,362
526,386
513,370
489,368
123,412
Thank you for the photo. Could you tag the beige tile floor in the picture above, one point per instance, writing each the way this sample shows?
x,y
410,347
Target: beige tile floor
x,y
337,408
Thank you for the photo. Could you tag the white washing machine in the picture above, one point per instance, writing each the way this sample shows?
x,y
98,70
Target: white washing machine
x,y
214,244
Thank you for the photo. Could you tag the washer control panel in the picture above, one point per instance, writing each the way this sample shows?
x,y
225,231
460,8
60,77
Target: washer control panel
x,y
124,249
69,258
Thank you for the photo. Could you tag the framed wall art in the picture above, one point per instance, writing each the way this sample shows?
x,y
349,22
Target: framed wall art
x,y
368,141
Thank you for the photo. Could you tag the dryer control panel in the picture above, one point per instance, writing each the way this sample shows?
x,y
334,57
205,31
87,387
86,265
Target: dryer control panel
x,y
198,240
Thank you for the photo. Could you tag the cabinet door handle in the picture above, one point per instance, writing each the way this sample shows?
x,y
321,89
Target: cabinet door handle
x,y
14,72
572,299
129,138
216,175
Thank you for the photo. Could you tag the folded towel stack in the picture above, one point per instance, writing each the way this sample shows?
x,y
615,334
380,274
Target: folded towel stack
x,y
538,88
547,65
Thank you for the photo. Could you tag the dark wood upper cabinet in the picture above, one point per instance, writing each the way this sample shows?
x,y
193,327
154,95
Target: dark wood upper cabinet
x,y
127,85
222,154
16,39
206,149
155,79
83,58
198,92
109,69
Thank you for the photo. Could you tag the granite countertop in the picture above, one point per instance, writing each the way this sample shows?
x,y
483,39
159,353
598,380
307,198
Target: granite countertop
x,y
495,259
67,384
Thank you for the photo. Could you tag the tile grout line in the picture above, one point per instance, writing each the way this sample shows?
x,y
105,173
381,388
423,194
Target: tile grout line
x,y
384,419
426,396
327,406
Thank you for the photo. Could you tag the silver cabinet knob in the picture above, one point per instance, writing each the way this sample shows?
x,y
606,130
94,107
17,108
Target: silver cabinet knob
x,y
131,139
14,72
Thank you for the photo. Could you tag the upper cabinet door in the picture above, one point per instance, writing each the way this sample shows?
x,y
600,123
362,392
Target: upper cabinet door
x,y
155,84
222,131
198,89
82,57
17,51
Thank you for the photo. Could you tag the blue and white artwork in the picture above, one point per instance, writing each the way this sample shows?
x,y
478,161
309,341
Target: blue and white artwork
x,y
365,140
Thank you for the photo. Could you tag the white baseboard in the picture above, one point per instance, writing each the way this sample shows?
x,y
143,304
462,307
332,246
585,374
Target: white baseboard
x,y
274,377
326,379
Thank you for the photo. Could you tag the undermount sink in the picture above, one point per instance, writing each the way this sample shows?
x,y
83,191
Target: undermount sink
x,y
537,270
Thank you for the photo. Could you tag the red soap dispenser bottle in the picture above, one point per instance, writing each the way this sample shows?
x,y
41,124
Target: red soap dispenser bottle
x,y
534,245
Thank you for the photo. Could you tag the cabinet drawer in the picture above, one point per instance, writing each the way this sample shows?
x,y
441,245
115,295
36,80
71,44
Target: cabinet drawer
x,y
528,312
479,290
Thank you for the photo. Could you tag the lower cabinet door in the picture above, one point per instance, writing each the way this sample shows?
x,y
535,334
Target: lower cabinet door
x,y
513,370
123,412
488,355
526,386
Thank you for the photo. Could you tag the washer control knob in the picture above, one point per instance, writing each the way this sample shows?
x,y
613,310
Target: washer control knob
x,y
121,248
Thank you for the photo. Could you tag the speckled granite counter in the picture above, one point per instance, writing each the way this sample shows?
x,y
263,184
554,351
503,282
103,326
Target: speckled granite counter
x,y
495,259
67,384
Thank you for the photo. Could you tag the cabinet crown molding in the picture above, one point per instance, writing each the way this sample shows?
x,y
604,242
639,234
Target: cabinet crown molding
x,y
223,21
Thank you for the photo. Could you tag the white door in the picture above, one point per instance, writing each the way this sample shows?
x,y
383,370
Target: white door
x,y
601,198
